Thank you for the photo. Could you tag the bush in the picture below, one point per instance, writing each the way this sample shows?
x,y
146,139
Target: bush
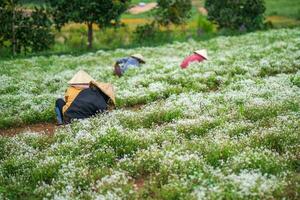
x,y
23,30
205,26
237,15
146,31
173,12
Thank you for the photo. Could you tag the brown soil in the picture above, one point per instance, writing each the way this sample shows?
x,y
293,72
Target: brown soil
x,y
135,107
46,128
139,183
43,128
202,10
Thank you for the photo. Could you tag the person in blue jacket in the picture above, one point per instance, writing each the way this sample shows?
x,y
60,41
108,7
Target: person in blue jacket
x,y
123,64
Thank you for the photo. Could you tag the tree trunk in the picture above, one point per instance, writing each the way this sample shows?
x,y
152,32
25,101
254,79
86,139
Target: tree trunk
x,y
90,35
14,31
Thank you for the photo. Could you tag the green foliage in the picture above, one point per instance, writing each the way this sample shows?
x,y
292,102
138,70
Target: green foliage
x,y
121,144
283,8
198,129
145,32
264,160
204,25
87,11
173,12
23,30
256,113
151,119
296,79
216,154
238,15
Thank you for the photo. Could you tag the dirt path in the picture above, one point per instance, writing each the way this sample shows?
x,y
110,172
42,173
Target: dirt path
x,y
202,10
141,9
43,128
47,128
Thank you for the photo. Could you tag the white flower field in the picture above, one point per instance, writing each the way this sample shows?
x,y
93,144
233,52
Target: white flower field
x,y
228,128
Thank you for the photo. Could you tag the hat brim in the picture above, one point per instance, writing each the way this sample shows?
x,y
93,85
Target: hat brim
x,y
140,60
107,89
200,54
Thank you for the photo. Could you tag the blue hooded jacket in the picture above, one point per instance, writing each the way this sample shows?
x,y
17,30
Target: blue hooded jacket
x,y
128,62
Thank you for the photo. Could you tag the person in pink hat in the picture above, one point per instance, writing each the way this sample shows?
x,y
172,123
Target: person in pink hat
x,y
197,56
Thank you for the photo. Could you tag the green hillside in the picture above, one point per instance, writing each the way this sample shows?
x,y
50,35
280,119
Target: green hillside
x,y
227,128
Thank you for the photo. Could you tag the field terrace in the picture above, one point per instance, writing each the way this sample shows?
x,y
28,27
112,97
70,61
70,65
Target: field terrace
x,y
224,129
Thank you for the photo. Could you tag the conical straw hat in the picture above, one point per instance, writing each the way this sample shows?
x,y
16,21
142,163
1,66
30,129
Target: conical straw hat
x,y
81,77
202,53
107,89
139,56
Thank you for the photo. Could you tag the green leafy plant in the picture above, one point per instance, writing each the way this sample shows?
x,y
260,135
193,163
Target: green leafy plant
x,y
22,30
144,32
173,12
238,15
204,25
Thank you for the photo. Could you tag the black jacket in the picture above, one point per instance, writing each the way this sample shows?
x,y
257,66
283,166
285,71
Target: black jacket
x,y
88,102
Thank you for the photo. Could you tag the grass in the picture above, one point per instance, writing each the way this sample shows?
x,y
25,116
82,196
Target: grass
x,y
283,13
284,8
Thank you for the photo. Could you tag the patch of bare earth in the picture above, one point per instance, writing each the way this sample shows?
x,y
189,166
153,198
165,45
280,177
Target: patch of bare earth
x,y
202,10
47,128
139,183
141,9
42,128
135,107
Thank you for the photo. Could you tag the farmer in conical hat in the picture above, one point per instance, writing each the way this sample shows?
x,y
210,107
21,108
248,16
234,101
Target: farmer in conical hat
x,y
124,64
84,98
197,56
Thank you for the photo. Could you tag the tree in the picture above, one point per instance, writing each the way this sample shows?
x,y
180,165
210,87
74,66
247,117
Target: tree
x,y
173,12
24,30
104,13
233,14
